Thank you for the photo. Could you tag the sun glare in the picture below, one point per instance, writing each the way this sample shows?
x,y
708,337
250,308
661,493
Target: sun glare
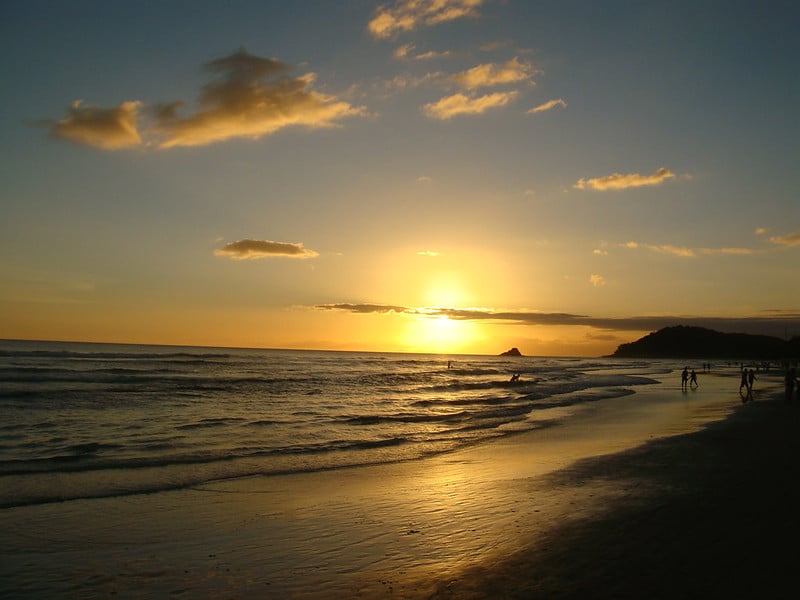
x,y
440,335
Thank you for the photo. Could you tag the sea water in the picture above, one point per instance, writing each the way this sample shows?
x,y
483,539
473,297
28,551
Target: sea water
x,y
80,420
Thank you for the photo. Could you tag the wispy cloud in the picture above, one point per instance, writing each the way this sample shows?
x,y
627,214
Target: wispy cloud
x,y
493,74
549,105
735,251
460,104
660,248
770,323
684,252
407,51
431,253
105,128
406,15
252,249
597,280
793,239
619,181
249,97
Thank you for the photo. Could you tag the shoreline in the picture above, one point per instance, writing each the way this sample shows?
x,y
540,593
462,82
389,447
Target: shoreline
x,y
497,516
709,513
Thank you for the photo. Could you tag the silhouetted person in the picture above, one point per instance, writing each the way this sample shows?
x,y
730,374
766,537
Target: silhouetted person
x,y
693,379
684,378
514,378
751,377
789,381
743,383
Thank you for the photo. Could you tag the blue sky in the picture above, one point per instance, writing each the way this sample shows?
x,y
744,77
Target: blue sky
x,y
439,175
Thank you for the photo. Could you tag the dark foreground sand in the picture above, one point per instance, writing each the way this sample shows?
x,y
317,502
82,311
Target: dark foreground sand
x,y
616,501
712,514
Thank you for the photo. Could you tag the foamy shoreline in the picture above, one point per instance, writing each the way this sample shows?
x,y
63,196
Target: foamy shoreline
x,y
407,530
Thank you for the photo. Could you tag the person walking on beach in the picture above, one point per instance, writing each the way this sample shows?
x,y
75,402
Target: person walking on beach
x,y
684,378
693,379
743,383
751,377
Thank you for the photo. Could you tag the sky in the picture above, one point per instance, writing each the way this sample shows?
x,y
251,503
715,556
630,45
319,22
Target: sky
x,y
447,176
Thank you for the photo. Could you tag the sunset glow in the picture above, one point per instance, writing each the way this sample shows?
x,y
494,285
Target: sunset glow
x,y
450,176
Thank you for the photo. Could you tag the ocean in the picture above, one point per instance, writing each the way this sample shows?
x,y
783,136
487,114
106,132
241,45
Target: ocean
x,y
82,420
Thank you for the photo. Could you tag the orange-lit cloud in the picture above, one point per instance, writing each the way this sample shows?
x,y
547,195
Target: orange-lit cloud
x,y
619,181
407,51
493,74
459,104
104,128
252,249
737,251
406,15
793,239
549,105
687,252
252,97
597,280
660,248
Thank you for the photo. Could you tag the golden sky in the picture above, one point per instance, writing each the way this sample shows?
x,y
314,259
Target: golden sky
x,y
450,176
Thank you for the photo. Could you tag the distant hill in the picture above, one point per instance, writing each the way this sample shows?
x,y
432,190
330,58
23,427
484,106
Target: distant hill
x,y
697,342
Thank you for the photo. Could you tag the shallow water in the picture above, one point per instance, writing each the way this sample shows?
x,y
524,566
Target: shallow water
x,y
97,420
386,529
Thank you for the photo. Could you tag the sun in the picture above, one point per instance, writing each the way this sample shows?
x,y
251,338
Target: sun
x,y
439,334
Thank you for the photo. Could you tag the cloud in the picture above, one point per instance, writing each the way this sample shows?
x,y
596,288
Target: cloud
x,y
252,249
761,231
424,179
104,128
549,105
619,181
774,323
600,252
597,280
735,251
252,97
364,308
431,253
793,239
686,252
492,74
407,51
433,54
660,248
459,104
406,15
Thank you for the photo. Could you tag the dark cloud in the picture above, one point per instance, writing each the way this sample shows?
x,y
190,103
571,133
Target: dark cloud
x,y
778,323
251,249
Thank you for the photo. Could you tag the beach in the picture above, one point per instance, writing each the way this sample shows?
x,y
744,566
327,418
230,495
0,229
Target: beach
x,y
660,493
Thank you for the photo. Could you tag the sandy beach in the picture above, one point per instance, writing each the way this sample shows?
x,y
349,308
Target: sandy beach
x,y
630,497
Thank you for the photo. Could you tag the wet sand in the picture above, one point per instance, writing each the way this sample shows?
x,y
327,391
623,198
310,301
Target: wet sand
x,y
616,501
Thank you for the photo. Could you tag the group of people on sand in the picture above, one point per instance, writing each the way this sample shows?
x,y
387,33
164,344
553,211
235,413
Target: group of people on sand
x,y
688,380
746,384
